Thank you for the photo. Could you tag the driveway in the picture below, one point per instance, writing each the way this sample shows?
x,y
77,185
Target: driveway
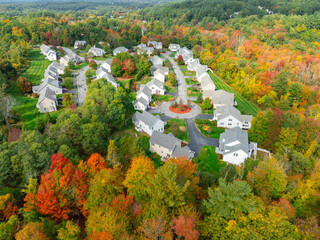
x,y
81,84
204,116
182,86
197,140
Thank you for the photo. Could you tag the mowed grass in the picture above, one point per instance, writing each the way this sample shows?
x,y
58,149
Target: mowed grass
x,y
25,105
208,161
208,129
244,106
178,127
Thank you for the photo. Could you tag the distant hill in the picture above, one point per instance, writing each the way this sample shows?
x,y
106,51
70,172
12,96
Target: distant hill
x,y
226,9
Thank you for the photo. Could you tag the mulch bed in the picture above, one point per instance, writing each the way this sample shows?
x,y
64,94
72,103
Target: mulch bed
x,y
177,109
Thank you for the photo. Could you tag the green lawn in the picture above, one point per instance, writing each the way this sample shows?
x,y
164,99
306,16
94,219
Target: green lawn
x,y
183,66
178,127
26,106
190,81
188,73
165,98
145,80
208,161
208,128
173,54
209,111
193,92
244,106
169,87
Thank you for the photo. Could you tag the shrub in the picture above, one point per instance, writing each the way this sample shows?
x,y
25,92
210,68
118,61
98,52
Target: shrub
x,y
23,85
68,83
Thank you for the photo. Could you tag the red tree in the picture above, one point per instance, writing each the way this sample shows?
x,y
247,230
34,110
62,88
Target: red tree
x,y
23,85
128,67
180,60
186,227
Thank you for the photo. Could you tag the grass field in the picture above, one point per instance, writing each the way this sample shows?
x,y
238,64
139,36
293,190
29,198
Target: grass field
x,y
208,129
166,98
193,91
190,81
178,127
188,73
26,106
208,161
245,106
183,66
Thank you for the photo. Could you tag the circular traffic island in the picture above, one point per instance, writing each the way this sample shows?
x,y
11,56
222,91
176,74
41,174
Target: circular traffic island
x,y
180,109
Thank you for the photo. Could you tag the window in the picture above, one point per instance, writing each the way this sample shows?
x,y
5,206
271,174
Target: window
x,y
235,154
229,124
152,144
230,119
44,108
222,123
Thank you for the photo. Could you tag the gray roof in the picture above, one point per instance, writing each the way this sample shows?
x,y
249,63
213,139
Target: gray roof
x,y
227,110
194,64
156,60
200,71
47,94
109,61
159,70
207,93
185,151
96,50
156,82
120,49
57,65
165,140
233,135
142,101
147,118
207,83
146,90
223,97
155,67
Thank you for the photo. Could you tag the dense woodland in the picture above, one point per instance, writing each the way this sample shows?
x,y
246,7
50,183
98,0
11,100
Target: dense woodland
x,y
79,175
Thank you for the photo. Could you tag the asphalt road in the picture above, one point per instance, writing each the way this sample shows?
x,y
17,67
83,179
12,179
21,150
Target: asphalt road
x,y
197,140
81,84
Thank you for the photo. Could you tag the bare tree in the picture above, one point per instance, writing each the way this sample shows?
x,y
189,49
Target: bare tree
x,y
6,105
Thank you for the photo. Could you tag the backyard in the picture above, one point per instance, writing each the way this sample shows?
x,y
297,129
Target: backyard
x,y
178,127
193,91
188,73
190,81
244,106
25,105
208,128
208,161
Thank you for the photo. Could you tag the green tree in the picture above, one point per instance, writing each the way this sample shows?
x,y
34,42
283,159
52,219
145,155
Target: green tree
x,y
68,82
172,79
228,198
206,104
295,90
7,229
70,232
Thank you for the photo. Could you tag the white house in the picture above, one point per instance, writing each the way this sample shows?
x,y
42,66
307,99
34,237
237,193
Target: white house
x,y
70,57
193,64
103,73
185,53
147,50
52,84
141,104
160,75
48,52
107,64
155,44
156,60
97,52
228,116
234,146
120,50
58,66
147,122
47,101
221,97
156,87
145,93
200,72
208,87
168,146
174,47
79,44
154,68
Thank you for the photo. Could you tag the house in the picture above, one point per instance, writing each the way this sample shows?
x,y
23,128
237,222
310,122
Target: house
x,y
174,47
107,64
145,93
70,57
221,97
79,44
156,60
52,84
97,52
147,122
154,68
51,72
103,73
234,146
156,87
120,50
147,50
208,87
228,116
48,52
160,75
58,66
140,46
193,64
185,53
155,44
168,146
200,72
141,104
47,101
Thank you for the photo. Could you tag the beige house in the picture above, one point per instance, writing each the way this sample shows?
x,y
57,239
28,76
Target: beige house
x,y
168,146
47,101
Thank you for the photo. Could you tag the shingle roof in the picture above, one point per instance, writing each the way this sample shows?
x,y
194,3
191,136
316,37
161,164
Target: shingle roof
x,y
147,118
49,94
165,140
182,152
146,90
142,101
120,49
155,82
231,136
223,97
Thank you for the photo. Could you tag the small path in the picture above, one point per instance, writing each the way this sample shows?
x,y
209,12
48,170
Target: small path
x,y
197,140
195,110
